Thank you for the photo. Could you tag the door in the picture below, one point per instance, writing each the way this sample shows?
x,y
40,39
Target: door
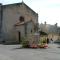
x,y
19,36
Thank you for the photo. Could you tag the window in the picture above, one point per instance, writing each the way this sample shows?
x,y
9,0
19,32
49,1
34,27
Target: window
x,y
21,19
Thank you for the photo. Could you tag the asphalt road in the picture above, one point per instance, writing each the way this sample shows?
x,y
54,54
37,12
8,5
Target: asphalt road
x,y
14,52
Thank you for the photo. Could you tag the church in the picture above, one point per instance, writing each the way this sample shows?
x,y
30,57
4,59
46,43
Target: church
x,y
17,20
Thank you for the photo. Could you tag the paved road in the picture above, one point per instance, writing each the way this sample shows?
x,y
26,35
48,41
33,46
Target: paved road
x,y
14,52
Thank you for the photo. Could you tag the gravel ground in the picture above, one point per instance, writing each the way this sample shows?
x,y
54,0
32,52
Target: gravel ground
x,y
14,52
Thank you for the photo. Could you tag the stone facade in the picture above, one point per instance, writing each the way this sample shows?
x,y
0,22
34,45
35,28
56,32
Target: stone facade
x,y
53,31
1,14
18,13
49,28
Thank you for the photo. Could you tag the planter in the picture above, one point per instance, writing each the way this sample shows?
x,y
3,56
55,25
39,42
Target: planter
x,y
33,46
43,46
46,46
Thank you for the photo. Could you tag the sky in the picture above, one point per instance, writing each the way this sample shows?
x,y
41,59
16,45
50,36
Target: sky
x,y
48,10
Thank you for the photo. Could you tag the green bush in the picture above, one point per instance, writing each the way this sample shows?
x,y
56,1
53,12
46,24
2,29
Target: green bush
x,y
42,40
25,42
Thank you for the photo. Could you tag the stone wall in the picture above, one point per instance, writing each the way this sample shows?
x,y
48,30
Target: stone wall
x,y
11,14
1,15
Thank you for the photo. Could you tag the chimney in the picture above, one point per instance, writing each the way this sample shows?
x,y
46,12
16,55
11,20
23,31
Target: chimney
x,y
56,24
45,22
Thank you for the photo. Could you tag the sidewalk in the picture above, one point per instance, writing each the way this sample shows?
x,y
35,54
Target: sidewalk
x,y
53,45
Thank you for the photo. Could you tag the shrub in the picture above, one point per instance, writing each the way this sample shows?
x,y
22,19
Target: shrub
x,y
25,42
42,41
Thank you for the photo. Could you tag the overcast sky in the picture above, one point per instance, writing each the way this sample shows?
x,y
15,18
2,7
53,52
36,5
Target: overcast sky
x,y
48,10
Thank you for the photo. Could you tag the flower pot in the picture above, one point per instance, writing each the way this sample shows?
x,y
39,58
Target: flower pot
x,y
33,46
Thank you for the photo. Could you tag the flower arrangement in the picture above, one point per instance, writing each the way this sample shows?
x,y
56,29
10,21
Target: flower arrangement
x,y
43,43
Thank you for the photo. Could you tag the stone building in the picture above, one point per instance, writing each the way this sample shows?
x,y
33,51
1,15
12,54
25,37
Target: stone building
x,y
17,20
53,31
